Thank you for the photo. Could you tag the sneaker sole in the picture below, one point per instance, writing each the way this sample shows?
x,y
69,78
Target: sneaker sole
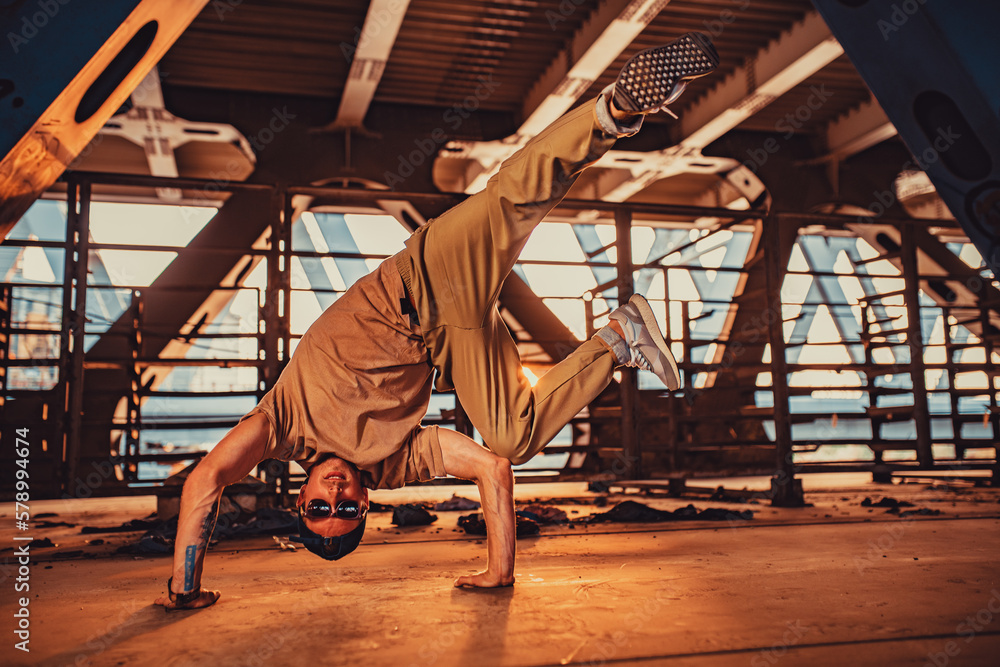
x,y
650,78
653,327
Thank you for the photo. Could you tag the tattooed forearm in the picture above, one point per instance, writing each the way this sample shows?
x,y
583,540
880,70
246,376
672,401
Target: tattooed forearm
x,y
194,530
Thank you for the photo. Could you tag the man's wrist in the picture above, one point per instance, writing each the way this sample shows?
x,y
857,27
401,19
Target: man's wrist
x,y
181,598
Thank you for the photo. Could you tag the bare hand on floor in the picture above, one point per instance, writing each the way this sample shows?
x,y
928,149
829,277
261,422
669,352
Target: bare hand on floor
x,y
206,599
484,580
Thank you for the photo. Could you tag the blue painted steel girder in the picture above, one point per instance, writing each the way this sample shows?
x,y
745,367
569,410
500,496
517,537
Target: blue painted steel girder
x,y
932,66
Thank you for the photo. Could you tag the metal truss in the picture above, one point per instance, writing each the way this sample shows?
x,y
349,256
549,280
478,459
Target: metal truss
x,y
656,435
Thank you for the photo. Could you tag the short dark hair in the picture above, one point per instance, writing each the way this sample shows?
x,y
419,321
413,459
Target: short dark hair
x,y
330,548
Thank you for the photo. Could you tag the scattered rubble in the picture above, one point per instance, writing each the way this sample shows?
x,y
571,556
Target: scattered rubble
x,y
524,526
159,538
457,503
148,544
886,502
128,527
283,543
543,514
894,507
412,515
921,511
41,543
630,511
473,524
721,494
267,520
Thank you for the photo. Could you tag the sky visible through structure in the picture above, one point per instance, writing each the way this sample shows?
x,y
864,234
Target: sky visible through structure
x,y
317,280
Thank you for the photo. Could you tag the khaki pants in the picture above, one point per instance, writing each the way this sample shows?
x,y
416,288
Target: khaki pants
x,y
454,268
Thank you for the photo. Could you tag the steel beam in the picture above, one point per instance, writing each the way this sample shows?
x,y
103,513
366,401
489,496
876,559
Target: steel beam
x,y
148,124
930,64
78,242
786,490
944,277
602,38
858,130
368,60
915,341
607,33
788,60
61,421
784,63
74,71
629,386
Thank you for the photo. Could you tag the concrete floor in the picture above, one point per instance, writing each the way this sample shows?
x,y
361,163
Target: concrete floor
x,y
832,584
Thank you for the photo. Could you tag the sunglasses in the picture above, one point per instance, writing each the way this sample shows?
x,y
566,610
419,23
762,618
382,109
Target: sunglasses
x,y
317,508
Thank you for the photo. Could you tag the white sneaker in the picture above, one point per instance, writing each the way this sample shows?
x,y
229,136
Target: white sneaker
x,y
648,350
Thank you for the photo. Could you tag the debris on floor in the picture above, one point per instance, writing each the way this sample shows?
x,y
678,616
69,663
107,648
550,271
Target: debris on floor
x,y
920,511
721,494
283,543
543,514
630,511
457,503
128,527
159,538
585,501
42,543
886,502
473,524
412,515
525,527
267,520
148,545
720,514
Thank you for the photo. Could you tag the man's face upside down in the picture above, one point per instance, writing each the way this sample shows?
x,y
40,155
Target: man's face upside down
x,y
333,480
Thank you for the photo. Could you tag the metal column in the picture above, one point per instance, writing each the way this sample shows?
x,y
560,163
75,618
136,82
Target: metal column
x,y
915,342
786,491
6,304
276,315
73,325
133,427
277,296
629,386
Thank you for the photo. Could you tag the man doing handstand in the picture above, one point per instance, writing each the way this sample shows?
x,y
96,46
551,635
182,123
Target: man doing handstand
x,y
348,405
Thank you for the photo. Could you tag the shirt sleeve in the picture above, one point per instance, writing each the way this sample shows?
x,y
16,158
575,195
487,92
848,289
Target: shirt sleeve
x,y
418,460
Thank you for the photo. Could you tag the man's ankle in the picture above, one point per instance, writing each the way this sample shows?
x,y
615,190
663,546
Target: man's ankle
x,y
617,113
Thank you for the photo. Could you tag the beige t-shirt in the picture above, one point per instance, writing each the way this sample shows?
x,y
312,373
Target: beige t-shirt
x,y
357,387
